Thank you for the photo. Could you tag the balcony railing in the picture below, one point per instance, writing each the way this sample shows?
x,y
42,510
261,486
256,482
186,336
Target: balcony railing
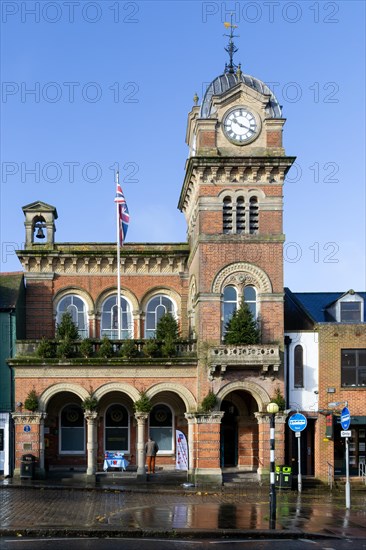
x,y
28,349
261,356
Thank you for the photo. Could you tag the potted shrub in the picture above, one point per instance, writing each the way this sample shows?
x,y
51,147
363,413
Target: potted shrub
x,y
143,404
31,402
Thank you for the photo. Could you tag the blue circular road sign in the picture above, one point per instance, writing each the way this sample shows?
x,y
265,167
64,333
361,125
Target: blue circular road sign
x,y
297,422
345,418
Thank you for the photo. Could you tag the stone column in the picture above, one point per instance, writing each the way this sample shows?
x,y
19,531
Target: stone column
x,y
141,421
263,441
191,450
91,442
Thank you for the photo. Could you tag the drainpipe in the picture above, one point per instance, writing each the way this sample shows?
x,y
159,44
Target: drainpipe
x,y
288,341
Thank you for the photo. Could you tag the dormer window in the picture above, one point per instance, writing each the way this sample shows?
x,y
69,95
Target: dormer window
x,y
347,309
350,312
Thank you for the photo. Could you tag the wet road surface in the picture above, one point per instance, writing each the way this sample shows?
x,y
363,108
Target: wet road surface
x,y
114,510
162,544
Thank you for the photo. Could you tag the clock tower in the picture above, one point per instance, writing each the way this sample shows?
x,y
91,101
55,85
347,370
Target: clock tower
x,y
233,204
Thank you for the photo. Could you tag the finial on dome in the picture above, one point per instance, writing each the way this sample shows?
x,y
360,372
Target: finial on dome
x,y
195,98
231,48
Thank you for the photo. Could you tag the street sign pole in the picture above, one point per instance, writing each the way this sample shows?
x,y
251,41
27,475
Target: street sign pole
x,y
299,477
348,487
297,423
345,423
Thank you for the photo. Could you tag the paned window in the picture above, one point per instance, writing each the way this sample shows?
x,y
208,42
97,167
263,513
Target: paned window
x,y
350,312
298,367
161,427
76,307
353,367
232,299
116,429
109,320
72,432
156,308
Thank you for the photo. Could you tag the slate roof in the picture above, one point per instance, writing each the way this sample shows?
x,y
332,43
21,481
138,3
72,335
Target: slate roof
x,y
304,307
10,284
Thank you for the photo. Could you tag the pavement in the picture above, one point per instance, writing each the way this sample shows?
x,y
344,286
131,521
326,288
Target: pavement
x,y
66,504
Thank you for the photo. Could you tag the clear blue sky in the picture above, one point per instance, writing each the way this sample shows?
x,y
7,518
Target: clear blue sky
x,y
114,82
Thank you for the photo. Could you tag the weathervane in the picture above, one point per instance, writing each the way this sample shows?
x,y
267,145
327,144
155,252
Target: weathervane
x,y
231,48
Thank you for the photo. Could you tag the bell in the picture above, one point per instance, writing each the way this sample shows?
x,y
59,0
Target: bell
x,y
40,234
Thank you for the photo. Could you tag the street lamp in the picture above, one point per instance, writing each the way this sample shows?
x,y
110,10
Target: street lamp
x,y
272,409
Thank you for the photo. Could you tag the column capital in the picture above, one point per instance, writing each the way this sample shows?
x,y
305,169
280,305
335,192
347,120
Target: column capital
x,y
90,415
141,417
28,417
213,417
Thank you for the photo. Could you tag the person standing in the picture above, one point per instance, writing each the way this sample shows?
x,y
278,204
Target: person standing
x,y
151,448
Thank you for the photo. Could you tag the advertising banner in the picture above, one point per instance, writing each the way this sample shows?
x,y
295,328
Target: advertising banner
x,y
181,451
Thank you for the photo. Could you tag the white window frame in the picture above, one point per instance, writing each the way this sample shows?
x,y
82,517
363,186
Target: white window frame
x,y
126,333
165,452
83,333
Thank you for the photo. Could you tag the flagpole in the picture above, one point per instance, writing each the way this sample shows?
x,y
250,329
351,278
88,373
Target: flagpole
x,y
118,264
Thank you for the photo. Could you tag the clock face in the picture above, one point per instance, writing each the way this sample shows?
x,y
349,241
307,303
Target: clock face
x,y
240,125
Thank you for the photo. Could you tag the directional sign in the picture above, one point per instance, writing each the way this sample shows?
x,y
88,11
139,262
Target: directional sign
x,y
345,418
297,422
346,433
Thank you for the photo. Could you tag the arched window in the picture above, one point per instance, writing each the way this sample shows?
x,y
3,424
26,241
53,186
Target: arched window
x,y
76,307
161,427
116,429
250,297
240,215
72,430
227,215
156,308
230,303
253,215
298,367
109,320
232,299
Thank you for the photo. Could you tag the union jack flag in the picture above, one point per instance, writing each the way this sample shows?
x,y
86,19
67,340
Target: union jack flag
x,y
123,214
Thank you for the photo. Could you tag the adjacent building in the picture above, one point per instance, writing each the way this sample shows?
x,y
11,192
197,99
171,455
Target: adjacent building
x,y
325,336
12,327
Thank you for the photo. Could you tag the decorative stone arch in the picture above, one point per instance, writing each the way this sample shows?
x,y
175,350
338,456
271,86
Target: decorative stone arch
x,y
242,273
172,294
186,396
127,389
260,394
77,291
126,293
247,193
50,392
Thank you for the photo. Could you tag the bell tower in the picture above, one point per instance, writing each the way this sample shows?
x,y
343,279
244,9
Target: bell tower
x,y
232,200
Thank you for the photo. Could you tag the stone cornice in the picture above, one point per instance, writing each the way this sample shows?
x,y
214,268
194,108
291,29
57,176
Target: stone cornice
x,y
101,259
229,170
